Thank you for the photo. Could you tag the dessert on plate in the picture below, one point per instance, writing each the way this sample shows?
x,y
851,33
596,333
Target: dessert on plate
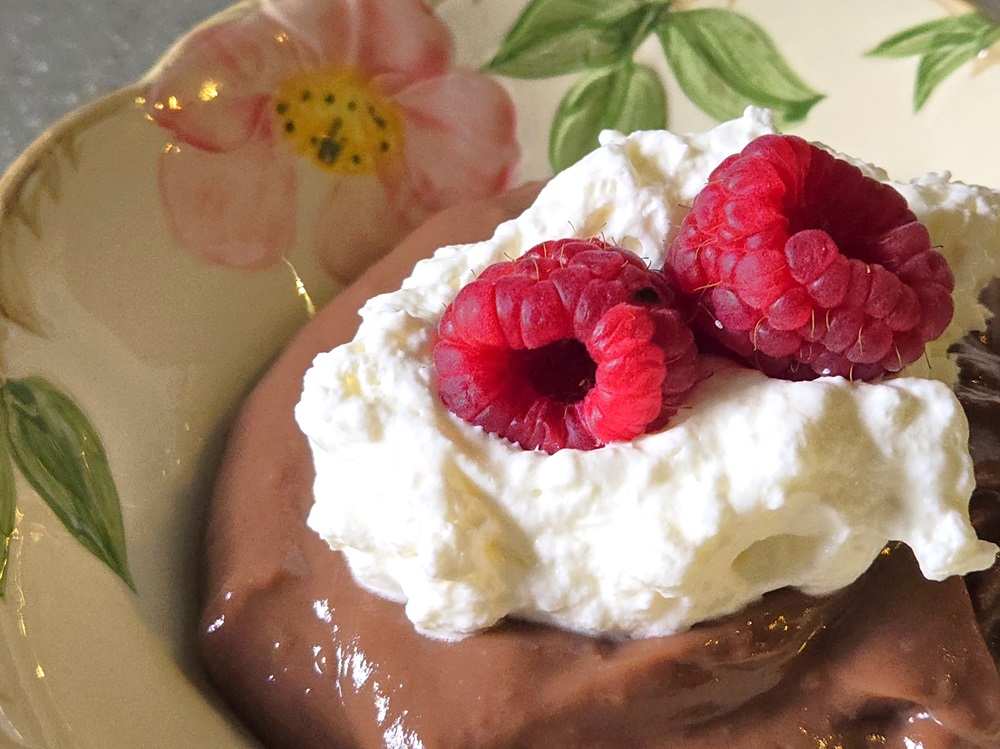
x,y
762,539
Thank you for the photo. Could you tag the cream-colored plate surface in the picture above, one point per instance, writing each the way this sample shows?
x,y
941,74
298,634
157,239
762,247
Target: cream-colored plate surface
x,y
158,247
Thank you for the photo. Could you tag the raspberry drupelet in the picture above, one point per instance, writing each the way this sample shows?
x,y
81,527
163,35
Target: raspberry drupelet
x,y
573,345
802,265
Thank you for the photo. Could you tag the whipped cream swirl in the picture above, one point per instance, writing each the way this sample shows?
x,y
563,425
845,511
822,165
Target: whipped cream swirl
x,y
755,485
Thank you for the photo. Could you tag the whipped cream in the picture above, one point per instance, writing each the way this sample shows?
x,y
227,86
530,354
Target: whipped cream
x,y
755,485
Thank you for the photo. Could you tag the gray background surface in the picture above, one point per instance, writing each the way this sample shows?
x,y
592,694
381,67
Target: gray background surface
x,y
56,55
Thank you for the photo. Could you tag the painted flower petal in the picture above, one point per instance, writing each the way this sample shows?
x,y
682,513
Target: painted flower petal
x,y
460,143
404,41
236,209
327,32
353,227
215,89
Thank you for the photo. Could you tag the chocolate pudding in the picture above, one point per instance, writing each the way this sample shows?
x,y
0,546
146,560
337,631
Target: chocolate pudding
x,y
310,659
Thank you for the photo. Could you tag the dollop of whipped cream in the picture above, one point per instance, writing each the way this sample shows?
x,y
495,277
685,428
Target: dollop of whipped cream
x,y
755,485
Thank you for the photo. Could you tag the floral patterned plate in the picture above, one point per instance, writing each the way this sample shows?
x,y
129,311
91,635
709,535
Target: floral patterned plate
x,y
158,247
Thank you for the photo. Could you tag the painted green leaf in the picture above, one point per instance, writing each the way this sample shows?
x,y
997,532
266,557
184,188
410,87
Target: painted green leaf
x,y
554,37
936,66
943,45
931,36
625,97
61,455
7,498
725,62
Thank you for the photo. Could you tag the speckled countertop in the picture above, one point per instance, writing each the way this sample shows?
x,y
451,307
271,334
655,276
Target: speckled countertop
x,y
56,55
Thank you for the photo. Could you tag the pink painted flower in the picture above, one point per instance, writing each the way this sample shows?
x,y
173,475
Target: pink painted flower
x,y
364,91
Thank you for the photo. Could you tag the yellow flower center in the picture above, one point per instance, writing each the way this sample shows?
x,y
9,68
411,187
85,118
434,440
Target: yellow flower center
x,y
338,120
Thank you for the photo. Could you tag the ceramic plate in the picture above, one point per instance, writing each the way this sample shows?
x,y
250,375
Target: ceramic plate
x,y
158,247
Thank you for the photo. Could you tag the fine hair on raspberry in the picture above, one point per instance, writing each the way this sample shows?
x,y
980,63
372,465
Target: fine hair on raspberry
x,y
575,344
802,265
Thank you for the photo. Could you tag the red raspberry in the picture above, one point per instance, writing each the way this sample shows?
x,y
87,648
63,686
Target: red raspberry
x,y
798,262
575,344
